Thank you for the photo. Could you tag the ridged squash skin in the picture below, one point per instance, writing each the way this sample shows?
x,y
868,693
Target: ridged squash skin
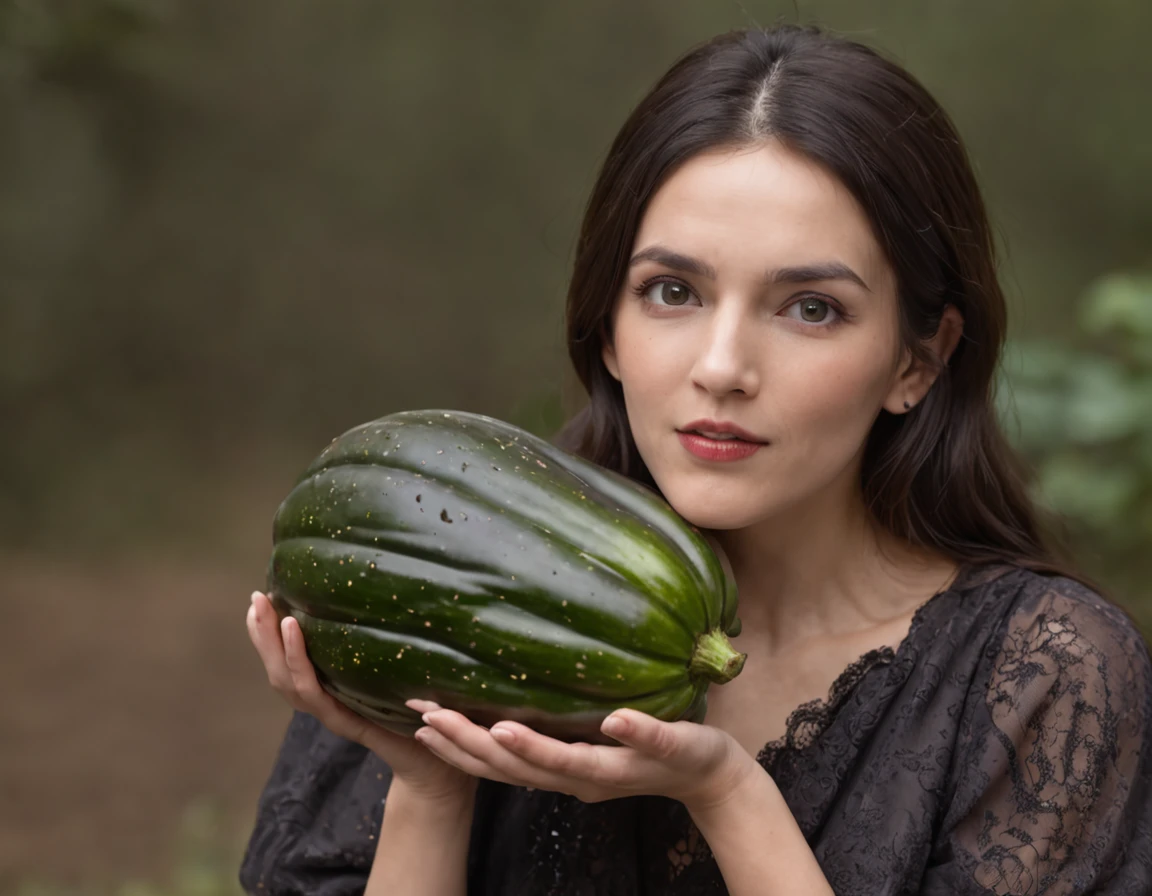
x,y
457,558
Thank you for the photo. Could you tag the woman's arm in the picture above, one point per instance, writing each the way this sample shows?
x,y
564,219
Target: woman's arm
x,y
757,843
423,845
1053,787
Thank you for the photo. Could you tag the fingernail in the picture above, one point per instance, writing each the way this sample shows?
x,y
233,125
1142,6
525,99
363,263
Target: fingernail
x,y
427,717
614,725
503,735
255,594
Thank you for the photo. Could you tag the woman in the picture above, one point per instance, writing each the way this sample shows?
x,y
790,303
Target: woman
x,y
786,314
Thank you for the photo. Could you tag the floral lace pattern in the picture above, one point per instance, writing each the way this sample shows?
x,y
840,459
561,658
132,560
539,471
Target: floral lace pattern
x,y
1004,747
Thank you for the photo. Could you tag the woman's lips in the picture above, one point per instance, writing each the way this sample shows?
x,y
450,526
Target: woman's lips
x,y
717,449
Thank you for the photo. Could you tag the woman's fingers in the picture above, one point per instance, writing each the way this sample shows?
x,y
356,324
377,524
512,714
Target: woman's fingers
x,y
305,685
265,637
309,696
466,745
285,657
474,749
281,647
290,672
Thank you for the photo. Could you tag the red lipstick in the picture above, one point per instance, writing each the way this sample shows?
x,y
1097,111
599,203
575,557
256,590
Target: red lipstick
x,y
698,438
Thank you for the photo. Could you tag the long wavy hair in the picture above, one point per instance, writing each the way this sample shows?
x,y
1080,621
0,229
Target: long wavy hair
x,y
943,475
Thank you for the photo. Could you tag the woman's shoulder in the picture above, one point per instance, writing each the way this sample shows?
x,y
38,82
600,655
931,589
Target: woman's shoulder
x,y
1003,628
1052,639
1038,610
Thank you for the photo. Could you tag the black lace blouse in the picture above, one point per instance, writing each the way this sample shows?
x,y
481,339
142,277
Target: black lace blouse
x,y
1005,747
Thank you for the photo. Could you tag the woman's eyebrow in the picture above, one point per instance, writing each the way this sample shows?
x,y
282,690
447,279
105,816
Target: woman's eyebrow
x,y
820,270
674,260
805,273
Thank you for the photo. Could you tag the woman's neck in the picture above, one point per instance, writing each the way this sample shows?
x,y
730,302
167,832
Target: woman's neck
x,y
818,572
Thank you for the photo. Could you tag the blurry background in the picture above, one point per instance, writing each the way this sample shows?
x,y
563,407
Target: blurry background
x,y
230,231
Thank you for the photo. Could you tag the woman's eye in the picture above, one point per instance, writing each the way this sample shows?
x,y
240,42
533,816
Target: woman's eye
x,y
665,292
813,311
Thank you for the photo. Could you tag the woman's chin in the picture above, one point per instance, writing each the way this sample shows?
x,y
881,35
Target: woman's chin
x,y
715,510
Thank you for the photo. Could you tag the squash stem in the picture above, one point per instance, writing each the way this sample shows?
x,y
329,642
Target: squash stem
x,y
715,658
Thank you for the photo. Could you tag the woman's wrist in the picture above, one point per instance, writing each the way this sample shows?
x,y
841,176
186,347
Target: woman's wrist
x,y
423,842
755,839
433,803
718,788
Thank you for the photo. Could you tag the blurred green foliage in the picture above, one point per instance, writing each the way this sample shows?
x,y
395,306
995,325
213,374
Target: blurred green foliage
x,y
1081,411
1085,414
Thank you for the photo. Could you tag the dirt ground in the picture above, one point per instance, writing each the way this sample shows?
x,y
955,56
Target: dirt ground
x,y
130,690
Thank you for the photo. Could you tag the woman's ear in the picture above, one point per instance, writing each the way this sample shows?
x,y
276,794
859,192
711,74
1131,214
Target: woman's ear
x,y
916,377
608,353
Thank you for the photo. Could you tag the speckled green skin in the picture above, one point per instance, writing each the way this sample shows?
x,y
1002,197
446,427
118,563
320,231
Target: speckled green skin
x,y
453,557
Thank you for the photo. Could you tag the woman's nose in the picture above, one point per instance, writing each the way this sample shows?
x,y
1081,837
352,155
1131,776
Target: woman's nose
x,y
727,362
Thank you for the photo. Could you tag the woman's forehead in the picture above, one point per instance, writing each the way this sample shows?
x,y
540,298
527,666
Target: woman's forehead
x,y
766,202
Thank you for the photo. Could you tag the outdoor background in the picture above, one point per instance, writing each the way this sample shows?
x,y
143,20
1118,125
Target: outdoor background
x,y
232,229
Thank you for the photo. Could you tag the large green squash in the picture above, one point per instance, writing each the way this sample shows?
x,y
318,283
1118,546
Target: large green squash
x,y
453,557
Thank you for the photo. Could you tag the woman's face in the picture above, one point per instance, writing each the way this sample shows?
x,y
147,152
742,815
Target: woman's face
x,y
758,298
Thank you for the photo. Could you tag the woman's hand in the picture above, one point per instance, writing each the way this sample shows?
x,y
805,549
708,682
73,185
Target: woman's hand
x,y
697,764
290,672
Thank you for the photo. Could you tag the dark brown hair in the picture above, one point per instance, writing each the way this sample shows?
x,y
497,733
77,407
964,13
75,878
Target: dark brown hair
x,y
942,475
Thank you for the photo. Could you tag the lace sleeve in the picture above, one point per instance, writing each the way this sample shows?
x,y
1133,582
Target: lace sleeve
x,y
1052,788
